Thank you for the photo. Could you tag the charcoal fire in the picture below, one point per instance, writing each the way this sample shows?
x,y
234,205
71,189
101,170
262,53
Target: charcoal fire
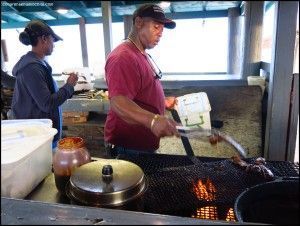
x,y
230,215
207,192
206,212
204,191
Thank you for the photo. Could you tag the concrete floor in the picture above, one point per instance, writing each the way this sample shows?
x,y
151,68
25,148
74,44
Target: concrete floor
x,y
239,108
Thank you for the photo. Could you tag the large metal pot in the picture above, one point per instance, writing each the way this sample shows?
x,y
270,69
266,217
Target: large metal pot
x,y
275,202
107,183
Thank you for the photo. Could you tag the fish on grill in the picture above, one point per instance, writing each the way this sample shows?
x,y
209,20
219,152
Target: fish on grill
x,y
258,167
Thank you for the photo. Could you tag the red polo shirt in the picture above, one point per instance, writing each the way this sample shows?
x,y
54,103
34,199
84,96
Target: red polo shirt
x,y
128,73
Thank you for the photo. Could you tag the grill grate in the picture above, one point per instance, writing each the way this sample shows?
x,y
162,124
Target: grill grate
x,y
205,190
152,163
284,169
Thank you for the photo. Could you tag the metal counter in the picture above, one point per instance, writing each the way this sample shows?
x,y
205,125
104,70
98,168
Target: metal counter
x,y
44,205
21,212
169,180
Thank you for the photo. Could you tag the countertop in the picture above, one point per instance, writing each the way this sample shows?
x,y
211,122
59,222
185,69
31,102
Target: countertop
x,y
178,81
21,212
44,205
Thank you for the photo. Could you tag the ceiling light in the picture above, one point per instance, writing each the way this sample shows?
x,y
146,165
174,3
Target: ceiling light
x,y
164,5
62,11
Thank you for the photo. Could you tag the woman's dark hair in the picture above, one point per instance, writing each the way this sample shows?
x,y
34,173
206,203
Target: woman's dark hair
x,y
28,38
34,30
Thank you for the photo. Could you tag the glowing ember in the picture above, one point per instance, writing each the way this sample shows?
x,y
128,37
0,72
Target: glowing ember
x,y
211,213
204,191
230,215
206,212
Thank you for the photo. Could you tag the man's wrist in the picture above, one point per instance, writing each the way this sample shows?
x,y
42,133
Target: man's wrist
x,y
156,116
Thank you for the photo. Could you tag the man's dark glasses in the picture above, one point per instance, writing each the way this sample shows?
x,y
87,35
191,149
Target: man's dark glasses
x,y
156,70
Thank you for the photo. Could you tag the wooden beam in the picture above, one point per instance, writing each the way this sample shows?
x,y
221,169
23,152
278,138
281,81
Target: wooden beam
x,y
242,8
234,42
61,20
171,8
280,82
2,58
204,5
48,7
78,12
84,50
198,14
252,38
107,26
83,4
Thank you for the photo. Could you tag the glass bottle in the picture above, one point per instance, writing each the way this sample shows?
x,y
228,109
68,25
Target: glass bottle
x,y
71,153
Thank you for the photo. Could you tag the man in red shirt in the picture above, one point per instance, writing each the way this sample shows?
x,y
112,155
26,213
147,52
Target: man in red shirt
x,y
136,121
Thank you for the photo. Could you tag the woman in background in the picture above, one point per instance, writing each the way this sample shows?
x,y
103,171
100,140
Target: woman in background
x,y
36,95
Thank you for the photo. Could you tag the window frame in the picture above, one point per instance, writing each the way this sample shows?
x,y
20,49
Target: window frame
x,y
174,16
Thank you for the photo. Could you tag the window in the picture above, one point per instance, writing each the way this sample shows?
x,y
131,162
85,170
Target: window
x,y
194,46
268,28
66,53
15,49
200,46
95,45
117,33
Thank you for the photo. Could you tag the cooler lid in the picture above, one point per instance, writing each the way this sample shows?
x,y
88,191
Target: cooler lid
x,y
19,139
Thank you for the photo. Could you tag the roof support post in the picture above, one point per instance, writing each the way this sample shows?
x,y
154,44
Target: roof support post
x,y
2,60
234,42
254,12
107,26
280,81
85,59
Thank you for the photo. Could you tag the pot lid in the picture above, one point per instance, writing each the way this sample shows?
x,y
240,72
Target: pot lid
x,y
107,182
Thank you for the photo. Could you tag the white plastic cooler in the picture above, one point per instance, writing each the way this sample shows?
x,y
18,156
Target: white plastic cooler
x,y
26,155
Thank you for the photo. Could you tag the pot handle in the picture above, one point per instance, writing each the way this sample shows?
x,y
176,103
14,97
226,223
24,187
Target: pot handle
x,y
107,173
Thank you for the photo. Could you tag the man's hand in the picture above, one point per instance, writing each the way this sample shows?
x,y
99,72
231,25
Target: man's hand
x,y
72,79
131,113
163,126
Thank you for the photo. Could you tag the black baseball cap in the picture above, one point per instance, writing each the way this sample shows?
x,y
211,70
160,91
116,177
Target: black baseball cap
x,y
156,13
38,28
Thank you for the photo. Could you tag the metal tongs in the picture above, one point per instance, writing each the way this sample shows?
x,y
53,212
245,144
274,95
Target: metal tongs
x,y
198,132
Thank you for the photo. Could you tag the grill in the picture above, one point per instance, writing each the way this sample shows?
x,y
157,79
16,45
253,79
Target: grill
x,y
206,188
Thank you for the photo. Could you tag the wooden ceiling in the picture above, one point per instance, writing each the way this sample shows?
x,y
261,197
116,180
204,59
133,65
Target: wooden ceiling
x,y
18,13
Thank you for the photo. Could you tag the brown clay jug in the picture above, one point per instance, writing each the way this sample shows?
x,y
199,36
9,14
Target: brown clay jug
x,y
71,153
